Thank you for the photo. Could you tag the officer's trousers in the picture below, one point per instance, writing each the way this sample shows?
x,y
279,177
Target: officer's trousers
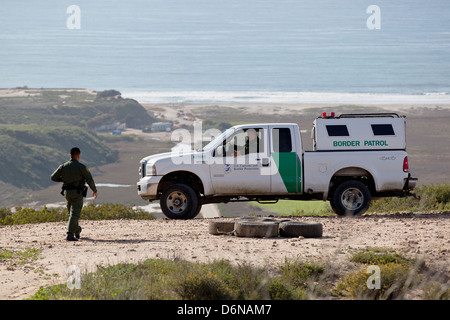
x,y
74,206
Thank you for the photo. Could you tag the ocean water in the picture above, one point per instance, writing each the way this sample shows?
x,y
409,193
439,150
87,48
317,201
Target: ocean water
x,y
231,50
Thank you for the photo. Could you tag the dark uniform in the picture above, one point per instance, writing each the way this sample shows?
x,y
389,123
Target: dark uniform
x,y
73,175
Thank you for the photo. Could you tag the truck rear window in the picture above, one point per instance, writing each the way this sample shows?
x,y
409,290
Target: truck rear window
x,y
337,130
282,141
383,130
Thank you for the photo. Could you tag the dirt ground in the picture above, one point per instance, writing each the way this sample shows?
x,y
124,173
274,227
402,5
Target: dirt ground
x,y
424,235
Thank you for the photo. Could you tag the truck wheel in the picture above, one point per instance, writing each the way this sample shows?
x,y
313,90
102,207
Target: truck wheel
x,y
351,198
199,207
179,201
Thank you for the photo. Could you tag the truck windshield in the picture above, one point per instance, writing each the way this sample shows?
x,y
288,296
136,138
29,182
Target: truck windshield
x,y
218,139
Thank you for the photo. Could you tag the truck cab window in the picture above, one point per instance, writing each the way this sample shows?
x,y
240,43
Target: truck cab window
x,y
282,141
244,142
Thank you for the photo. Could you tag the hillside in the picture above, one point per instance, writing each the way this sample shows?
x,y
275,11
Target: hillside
x,y
38,128
81,108
29,154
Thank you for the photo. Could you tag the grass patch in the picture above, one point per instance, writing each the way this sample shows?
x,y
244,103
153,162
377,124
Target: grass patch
x,y
433,197
296,208
107,211
19,258
375,256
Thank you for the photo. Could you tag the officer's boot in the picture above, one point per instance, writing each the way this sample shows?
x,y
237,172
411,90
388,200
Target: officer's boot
x,y
70,237
77,234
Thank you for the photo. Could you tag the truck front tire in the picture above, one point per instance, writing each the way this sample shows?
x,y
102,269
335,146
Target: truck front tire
x,y
180,201
351,198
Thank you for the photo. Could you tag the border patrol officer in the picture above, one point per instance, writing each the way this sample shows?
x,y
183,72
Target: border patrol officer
x,y
74,175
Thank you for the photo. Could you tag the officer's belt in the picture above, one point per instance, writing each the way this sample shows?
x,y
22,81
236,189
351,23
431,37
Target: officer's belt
x,y
71,187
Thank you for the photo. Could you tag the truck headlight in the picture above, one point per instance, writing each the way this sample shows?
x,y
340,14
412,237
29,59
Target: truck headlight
x,y
147,169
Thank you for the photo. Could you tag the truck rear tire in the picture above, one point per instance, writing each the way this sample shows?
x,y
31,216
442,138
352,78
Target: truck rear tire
x,y
351,198
180,201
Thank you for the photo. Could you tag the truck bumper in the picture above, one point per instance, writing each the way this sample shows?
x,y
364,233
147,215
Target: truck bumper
x,y
148,187
410,183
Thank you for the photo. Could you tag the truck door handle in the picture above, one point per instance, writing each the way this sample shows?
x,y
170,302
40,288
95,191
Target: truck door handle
x,y
265,162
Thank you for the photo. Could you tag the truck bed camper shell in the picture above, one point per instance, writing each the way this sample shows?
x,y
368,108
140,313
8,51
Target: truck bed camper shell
x,y
381,131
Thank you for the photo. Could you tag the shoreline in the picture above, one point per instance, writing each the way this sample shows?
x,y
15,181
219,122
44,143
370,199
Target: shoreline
x,y
248,98
287,98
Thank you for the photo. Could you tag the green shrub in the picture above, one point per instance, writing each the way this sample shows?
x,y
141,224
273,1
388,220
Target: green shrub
x,y
395,280
435,196
206,286
376,256
398,275
280,289
91,211
167,279
113,211
28,215
301,273
428,198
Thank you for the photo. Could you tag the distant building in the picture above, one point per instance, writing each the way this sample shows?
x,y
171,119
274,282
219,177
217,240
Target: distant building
x,y
162,126
111,126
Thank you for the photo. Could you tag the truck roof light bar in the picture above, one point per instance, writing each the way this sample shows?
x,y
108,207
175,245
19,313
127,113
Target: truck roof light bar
x,y
369,115
328,114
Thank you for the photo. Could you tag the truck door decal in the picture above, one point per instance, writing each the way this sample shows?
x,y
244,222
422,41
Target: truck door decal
x,y
289,168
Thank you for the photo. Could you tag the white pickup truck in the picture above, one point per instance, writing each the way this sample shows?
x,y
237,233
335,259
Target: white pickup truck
x,y
355,158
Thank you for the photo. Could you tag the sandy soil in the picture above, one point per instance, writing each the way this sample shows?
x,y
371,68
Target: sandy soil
x,y
111,242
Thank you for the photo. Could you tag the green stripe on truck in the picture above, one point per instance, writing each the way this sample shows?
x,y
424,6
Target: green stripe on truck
x,y
290,171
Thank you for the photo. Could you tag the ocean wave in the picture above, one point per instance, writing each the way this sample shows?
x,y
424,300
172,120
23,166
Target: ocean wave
x,y
285,97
